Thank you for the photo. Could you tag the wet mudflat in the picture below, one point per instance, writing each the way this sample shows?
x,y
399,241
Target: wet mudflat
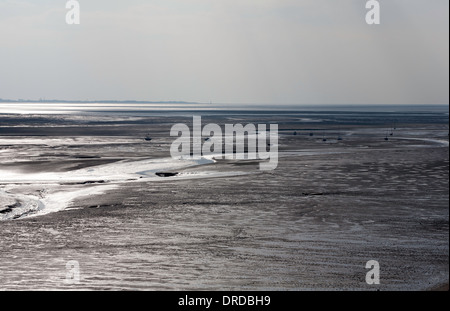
x,y
311,224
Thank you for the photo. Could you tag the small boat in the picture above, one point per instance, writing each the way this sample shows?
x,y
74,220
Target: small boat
x,y
148,138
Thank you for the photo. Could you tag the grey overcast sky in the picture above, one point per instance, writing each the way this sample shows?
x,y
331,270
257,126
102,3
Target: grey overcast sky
x,y
227,51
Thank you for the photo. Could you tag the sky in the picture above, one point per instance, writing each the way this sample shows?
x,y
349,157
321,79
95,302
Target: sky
x,y
226,51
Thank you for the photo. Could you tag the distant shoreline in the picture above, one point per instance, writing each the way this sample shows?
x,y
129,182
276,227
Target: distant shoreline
x,y
58,101
109,101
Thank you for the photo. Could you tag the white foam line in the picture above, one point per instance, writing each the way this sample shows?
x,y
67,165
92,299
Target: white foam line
x,y
113,173
59,201
28,203
121,171
19,140
444,143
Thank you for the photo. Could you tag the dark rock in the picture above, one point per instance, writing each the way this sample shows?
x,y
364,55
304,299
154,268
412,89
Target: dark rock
x,y
92,182
166,174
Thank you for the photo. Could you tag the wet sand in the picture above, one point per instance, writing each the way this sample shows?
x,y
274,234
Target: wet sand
x,y
311,224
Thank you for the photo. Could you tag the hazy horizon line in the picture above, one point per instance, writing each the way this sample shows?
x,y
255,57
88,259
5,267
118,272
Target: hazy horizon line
x,y
49,101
